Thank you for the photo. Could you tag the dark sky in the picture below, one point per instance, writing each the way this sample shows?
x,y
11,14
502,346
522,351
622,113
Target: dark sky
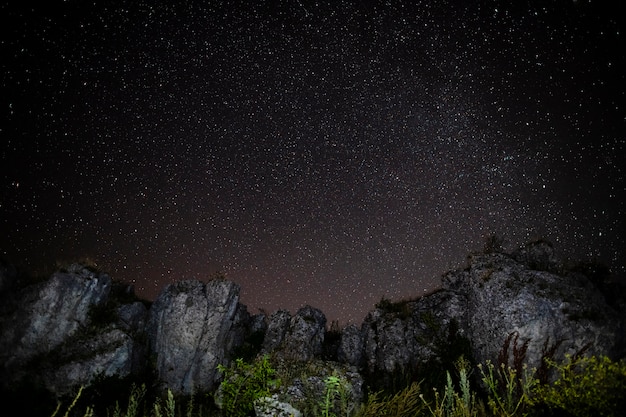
x,y
324,153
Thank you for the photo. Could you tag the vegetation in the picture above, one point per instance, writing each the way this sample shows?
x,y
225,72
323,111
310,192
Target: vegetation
x,y
244,383
586,386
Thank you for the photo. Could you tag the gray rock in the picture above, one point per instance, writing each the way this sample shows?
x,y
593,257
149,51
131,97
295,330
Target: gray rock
x,y
111,352
190,328
539,255
276,330
305,335
307,388
502,305
271,407
542,309
47,315
350,349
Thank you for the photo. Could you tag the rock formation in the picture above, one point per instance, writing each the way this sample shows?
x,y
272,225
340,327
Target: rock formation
x,y
76,325
48,331
191,327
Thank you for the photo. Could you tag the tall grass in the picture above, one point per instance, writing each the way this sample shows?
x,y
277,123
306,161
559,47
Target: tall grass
x,y
587,386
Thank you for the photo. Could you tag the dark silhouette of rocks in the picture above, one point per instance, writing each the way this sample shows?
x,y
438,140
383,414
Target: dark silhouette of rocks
x,y
527,305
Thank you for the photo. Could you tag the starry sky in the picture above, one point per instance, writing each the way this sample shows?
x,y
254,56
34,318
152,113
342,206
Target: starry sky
x,y
328,153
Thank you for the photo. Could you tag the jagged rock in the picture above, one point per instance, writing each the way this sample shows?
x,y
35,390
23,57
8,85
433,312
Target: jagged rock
x,y
132,317
305,335
400,336
350,349
541,309
110,352
306,382
64,331
190,328
497,299
42,317
276,330
539,255
258,323
239,330
271,407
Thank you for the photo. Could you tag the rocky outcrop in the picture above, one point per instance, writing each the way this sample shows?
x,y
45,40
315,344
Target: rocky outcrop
x,y
191,327
62,333
525,304
65,331
350,349
298,338
305,335
544,312
276,330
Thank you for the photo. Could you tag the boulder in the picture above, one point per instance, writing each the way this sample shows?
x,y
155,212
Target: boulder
x,y
191,327
515,311
272,407
306,386
350,349
511,308
305,335
276,330
44,318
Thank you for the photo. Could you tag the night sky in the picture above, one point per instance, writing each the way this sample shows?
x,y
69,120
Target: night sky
x,y
326,153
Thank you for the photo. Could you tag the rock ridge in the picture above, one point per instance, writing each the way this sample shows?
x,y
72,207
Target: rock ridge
x,y
79,324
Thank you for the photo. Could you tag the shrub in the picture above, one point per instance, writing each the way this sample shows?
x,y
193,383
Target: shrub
x,y
587,386
405,403
245,382
452,403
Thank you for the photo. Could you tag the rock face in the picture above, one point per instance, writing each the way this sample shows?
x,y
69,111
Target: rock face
x,y
298,338
544,312
191,325
76,325
276,330
498,307
48,332
304,338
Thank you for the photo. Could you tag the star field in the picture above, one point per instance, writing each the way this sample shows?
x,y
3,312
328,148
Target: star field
x,y
322,153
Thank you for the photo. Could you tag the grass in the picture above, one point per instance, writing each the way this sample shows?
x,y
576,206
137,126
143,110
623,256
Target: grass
x,y
587,386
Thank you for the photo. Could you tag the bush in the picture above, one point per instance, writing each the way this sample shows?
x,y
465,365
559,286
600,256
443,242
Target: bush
x,y
587,386
245,382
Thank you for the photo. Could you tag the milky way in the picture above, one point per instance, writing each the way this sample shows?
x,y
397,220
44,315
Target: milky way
x,y
323,153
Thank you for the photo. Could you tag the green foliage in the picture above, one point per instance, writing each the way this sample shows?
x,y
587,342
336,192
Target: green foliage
x,y
448,345
332,387
405,403
452,403
88,410
507,391
135,400
169,409
587,386
245,382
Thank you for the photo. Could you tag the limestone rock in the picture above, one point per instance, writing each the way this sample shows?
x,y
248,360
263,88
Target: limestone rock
x,y
41,317
305,335
271,407
310,383
111,352
190,327
350,349
276,330
540,308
